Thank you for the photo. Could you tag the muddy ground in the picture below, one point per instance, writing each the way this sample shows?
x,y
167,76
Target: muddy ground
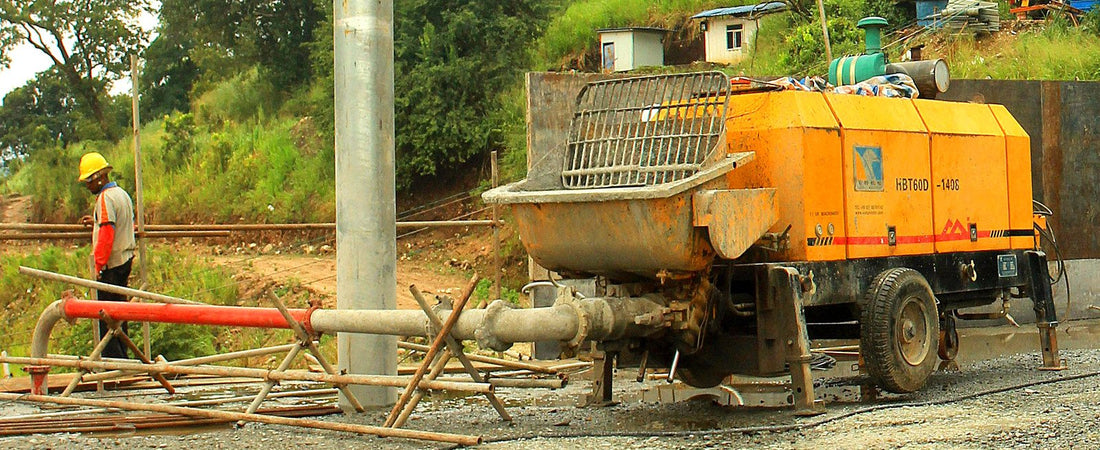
x,y
992,400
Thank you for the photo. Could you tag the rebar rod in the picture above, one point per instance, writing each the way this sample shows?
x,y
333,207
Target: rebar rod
x,y
96,352
371,380
275,420
109,423
438,365
534,383
52,276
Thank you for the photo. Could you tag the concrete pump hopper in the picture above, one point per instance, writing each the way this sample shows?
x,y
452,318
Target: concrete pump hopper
x,y
760,219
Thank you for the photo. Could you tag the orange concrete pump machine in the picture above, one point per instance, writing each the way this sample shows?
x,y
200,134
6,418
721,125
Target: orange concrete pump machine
x,y
759,219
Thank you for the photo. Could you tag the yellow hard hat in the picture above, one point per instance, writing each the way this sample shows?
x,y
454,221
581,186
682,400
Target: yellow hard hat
x,y
91,163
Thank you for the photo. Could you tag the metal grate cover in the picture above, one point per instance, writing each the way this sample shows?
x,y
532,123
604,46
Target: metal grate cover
x,y
645,131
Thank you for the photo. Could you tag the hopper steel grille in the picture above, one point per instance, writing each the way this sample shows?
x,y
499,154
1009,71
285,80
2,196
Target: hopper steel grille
x,y
645,131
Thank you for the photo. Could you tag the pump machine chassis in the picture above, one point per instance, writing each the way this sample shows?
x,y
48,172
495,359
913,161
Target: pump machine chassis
x,y
759,219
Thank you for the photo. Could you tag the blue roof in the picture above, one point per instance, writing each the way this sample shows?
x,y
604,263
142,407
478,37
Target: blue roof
x,y
761,8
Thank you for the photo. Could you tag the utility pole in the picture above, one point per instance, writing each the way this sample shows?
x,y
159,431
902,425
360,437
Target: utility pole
x,y
366,211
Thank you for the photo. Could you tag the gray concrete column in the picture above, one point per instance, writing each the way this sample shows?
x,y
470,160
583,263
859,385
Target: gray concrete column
x,y
365,199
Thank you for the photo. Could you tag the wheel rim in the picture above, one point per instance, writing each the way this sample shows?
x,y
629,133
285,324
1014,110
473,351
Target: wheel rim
x,y
913,333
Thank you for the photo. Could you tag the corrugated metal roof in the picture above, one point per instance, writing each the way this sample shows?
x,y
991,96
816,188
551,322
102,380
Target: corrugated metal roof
x,y
758,9
643,29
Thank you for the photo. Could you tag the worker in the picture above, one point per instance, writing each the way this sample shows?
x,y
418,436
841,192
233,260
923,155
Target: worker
x,y
112,223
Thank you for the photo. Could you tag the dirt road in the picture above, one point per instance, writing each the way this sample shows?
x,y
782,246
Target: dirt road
x,y
318,273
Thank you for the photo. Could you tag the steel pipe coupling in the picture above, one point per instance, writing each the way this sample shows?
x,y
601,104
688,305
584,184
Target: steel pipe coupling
x,y
572,320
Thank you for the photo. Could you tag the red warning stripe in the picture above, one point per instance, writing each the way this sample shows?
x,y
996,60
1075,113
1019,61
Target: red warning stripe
x,y
917,239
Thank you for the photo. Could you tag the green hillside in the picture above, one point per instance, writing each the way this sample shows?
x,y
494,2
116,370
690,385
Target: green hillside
x,y
238,118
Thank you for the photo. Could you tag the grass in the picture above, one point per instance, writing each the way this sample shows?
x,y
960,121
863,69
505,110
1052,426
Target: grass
x,y
1050,53
229,161
169,273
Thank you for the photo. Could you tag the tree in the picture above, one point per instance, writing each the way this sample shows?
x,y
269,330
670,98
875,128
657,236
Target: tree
x,y
453,59
225,36
88,41
37,115
167,77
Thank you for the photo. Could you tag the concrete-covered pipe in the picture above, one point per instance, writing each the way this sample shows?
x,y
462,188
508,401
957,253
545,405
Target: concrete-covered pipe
x,y
571,320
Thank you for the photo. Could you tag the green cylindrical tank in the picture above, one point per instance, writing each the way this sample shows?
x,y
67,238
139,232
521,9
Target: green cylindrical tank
x,y
854,69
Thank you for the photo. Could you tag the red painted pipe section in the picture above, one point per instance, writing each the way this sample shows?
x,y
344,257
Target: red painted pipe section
x,y
230,316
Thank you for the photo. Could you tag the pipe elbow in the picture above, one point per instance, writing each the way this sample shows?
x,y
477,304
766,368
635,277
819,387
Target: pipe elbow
x,y
40,344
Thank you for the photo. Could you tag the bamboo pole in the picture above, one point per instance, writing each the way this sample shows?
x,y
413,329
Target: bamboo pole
x,y
371,380
52,276
436,346
496,232
190,362
518,365
825,31
139,204
307,341
456,350
228,415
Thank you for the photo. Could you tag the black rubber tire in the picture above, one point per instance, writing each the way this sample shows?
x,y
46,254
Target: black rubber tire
x,y
899,352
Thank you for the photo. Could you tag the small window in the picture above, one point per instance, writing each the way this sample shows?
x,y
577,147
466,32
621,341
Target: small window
x,y
733,37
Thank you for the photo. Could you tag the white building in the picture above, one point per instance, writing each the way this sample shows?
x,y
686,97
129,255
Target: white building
x,y
729,32
624,49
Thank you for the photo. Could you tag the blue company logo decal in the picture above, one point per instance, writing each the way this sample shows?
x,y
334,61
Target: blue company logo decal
x,y
867,168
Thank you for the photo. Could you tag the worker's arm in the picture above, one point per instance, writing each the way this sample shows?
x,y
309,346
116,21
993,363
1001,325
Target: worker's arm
x,y
103,244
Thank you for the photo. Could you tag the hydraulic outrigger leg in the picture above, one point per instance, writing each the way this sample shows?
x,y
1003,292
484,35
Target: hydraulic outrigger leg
x,y
787,291
1046,318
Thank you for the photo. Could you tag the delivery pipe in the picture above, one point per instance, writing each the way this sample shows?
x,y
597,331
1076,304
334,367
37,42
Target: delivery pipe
x,y
571,320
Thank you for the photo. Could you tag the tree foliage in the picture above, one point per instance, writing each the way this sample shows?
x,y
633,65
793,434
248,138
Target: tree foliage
x,y
88,41
223,37
40,114
167,77
452,59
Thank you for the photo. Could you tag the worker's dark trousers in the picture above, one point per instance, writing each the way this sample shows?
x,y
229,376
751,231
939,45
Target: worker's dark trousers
x,y
118,276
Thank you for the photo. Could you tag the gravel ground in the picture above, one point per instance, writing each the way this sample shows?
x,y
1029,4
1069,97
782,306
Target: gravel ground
x,y
957,409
